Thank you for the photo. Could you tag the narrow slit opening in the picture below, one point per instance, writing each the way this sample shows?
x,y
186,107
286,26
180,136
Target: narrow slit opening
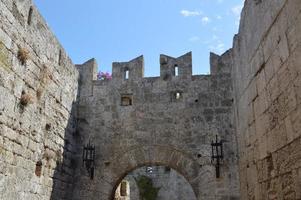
x,y
176,70
29,19
126,74
60,57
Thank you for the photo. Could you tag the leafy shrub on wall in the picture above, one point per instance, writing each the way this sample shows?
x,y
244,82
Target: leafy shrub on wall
x,y
146,189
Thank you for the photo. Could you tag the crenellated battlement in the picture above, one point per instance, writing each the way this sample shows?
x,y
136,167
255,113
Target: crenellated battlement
x,y
173,71
176,67
171,68
131,70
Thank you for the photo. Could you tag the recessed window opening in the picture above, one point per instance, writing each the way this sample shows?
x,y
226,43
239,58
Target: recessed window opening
x,y
126,74
176,70
178,95
126,100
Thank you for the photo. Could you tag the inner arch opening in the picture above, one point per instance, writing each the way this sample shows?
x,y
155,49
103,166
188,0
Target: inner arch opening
x,y
154,183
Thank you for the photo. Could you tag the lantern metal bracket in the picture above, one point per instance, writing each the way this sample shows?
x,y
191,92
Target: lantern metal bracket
x,y
89,158
217,155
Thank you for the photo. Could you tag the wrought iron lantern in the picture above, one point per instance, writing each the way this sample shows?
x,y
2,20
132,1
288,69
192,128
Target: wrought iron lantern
x,y
217,155
89,158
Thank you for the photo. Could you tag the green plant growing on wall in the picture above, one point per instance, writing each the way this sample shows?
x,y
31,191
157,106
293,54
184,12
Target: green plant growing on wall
x,y
146,189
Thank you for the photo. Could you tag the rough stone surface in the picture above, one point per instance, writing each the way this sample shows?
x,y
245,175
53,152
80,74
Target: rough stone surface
x,y
251,100
158,128
33,125
266,75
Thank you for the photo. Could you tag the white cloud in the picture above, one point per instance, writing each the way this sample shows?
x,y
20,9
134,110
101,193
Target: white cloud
x,y
215,29
215,37
237,22
218,17
205,20
218,47
212,41
236,10
194,39
187,13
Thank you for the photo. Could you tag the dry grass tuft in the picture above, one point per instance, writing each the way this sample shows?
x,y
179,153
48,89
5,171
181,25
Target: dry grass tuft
x,y
48,154
23,55
39,93
26,99
45,78
46,75
38,170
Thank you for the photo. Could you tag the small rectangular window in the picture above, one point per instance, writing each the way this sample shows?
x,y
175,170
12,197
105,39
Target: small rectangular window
x,y
176,96
126,100
126,74
176,70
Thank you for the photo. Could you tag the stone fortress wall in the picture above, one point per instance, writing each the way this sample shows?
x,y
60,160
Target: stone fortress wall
x,y
42,131
38,84
158,128
267,81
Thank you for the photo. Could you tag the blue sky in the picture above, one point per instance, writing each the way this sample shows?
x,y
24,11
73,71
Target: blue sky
x,y
120,30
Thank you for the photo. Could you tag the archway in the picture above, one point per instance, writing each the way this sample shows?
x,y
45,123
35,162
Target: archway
x,y
154,182
112,172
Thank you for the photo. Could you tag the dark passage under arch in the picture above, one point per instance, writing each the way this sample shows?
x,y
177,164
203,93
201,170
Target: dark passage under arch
x,y
157,181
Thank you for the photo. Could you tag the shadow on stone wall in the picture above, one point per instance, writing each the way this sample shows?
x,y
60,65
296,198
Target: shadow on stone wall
x,y
63,176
